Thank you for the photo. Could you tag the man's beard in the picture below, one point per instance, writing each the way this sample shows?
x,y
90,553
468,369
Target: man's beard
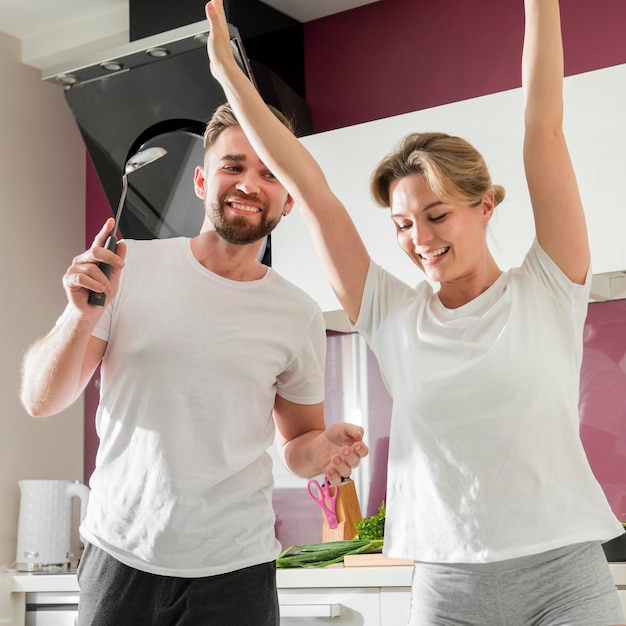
x,y
239,230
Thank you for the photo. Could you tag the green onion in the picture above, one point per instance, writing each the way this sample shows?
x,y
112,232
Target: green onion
x,y
326,553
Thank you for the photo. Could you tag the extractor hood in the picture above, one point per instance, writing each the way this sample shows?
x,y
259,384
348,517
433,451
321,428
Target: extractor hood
x,y
158,91
135,54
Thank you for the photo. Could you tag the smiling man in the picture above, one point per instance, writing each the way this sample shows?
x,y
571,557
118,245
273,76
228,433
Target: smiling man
x,y
196,384
229,158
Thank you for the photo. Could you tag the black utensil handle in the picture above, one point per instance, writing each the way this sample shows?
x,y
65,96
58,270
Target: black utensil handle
x,y
96,297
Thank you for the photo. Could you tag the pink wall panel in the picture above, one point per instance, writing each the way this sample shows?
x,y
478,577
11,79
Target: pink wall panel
x,y
603,399
98,211
395,56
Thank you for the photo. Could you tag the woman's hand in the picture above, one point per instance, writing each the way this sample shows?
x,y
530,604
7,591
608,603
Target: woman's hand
x,y
218,44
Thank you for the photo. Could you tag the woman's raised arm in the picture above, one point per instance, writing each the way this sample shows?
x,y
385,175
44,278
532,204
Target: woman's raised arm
x,y
338,244
557,207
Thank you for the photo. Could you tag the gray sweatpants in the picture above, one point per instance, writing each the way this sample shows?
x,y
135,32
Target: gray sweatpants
x,y
571,586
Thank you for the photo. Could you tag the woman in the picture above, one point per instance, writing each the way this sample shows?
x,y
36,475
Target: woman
x,y
489,490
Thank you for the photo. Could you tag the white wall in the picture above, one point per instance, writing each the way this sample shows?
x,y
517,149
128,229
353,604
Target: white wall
x,y
42,225
595,126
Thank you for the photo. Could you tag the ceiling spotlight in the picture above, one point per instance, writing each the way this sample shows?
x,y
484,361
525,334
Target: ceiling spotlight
x,y
112,66
202,37
67,79
158,53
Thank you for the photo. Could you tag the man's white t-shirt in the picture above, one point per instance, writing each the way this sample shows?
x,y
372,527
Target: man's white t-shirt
x,y
183,482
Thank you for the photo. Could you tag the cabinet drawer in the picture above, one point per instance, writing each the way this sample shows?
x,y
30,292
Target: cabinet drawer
x,y
339,607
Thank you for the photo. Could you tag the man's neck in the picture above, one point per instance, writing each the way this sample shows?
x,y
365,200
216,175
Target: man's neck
x,y
228,260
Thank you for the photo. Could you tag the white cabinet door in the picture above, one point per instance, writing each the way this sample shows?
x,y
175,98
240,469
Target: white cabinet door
x,y
339,607
621,592
395,606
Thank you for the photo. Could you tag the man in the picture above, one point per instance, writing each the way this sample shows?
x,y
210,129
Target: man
x,y
195,382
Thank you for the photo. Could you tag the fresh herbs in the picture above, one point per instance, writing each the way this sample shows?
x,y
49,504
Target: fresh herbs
x,y
326,553
371,531
373,527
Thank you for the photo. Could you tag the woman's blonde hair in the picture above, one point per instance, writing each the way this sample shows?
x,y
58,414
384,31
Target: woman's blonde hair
x,y
453,168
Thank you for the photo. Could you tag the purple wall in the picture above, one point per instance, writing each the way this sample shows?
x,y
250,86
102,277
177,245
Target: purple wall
x,y
603,399
98,211
396,56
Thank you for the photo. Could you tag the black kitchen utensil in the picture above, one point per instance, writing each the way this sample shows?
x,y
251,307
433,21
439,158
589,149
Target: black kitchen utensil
x,y
137,161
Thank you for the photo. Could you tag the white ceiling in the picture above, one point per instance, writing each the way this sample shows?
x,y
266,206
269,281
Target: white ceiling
x,y
55,31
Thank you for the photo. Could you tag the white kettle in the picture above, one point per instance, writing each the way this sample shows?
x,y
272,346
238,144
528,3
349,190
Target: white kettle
x,y
44,529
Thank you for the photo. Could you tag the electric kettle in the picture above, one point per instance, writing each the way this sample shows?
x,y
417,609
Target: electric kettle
x,y
44,529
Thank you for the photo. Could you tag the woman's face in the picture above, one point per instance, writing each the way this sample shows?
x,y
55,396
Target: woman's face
x,y
446,240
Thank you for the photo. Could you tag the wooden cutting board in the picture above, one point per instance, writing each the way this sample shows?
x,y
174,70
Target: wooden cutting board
x,y
373,560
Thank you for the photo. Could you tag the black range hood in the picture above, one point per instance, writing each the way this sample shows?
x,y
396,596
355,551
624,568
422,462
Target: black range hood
x,y
158,90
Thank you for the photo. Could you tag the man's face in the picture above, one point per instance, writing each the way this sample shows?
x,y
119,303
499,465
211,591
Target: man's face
x,y
242,198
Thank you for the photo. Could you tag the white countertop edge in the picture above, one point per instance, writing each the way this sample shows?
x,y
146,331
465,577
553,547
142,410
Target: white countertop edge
x,y
292,578
619,573
339,576
25,582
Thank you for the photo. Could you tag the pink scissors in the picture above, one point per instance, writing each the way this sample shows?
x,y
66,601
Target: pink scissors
x,y
326,497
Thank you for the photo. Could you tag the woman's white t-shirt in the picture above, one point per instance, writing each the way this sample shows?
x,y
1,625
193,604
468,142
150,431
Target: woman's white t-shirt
x,y
485,459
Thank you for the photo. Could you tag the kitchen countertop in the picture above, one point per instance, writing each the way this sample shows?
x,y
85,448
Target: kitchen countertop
x,y
15,585
292,578
388,579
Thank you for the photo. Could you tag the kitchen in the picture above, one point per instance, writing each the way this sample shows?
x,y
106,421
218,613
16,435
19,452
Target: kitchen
x,y
37,110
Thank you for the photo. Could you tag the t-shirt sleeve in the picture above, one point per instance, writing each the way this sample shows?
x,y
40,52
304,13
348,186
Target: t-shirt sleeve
x,y
302,381
542,268
383,293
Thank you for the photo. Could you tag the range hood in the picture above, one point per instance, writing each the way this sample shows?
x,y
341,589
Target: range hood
x,y
158,91
136,54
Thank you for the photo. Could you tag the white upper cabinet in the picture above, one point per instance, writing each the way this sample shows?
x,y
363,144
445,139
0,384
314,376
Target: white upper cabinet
x,y
595,126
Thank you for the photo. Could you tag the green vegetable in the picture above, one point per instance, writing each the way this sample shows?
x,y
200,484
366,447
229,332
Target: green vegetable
x,y
372,527
326,553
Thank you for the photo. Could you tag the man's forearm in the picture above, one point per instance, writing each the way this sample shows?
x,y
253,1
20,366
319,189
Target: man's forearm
x,y
334,452
54,370
300,454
